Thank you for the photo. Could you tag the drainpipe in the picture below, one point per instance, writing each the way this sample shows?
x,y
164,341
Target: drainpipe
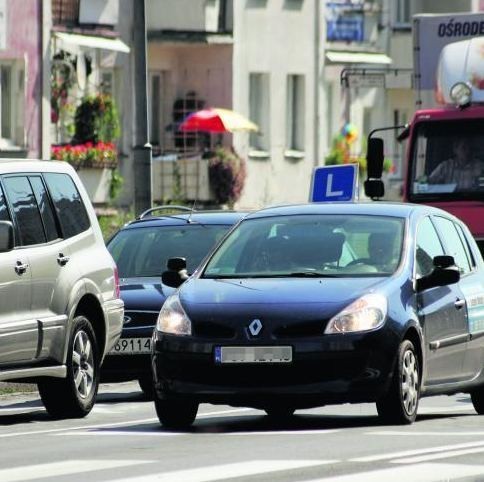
x,y
45,19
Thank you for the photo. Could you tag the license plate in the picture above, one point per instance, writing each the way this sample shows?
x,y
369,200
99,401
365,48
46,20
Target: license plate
x,y
131,346
253,354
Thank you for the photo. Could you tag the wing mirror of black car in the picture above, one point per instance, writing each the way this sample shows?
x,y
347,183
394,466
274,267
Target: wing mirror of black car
x,y
176,272
445,273
6,236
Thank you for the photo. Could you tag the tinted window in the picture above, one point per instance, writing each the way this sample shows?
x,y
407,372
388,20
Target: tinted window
x,y
145,251
25,209
68,204
428,246
4,216
334,245
45,207
465,243
453,243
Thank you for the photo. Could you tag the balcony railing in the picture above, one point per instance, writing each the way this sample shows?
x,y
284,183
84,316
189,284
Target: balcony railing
x,y
65,12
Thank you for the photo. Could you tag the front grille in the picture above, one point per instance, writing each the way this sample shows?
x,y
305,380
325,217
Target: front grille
x,y
140,318
207,329
300,330
299,372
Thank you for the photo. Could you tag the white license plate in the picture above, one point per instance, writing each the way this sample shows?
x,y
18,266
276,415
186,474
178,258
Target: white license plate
x,y
131,346
253,354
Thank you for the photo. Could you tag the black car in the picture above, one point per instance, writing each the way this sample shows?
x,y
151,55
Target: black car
x,y
302,306
141,250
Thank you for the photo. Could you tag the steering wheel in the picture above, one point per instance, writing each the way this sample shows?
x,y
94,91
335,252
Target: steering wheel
x,y
359,261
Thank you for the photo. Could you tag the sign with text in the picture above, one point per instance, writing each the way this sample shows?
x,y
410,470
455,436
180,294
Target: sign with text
x,y
334,183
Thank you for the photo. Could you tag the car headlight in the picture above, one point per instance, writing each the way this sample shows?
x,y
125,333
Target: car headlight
x,y
173,319
461,94
365,313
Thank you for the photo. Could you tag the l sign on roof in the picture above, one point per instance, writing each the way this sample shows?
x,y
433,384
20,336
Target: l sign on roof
x,y
334,183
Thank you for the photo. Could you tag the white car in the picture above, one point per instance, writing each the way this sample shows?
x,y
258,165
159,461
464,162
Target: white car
x,y
60,310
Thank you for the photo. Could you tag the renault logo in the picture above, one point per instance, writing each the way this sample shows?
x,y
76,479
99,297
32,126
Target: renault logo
x,y
255,327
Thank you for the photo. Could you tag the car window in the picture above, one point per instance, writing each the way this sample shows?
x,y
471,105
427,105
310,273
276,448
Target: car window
x,y
465,243
144,251
339,245
453,243
25,210
45,207
68,204
428,246
4,215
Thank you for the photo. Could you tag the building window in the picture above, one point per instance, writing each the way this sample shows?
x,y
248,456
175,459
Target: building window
x,y
295,98
6,101
402,12
259,110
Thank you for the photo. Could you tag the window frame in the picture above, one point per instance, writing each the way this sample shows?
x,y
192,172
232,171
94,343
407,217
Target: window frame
x,y
295,113
259,112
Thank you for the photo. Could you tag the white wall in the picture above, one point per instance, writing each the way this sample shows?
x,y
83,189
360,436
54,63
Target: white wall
x,y
275,37
189,15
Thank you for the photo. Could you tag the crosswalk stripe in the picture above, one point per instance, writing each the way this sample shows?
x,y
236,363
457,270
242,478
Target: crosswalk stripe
x,y
415,473
68,467
222,472
417,452
442,455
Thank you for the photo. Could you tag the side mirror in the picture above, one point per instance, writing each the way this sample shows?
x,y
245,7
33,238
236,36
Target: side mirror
x,y
445,273
374,188
374,158
6,236
176,272
444,261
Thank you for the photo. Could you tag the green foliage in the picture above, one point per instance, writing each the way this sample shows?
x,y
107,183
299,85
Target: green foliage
x,y
110,223
116,184
96,119
227,173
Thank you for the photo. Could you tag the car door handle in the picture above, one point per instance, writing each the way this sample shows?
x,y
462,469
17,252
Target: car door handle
x,y
62,260
459,303
21,268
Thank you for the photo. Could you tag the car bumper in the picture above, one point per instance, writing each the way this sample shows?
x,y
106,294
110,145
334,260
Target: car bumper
x,y
332,369
124,367
114,312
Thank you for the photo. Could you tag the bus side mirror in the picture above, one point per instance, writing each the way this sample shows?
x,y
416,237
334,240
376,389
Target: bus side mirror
x,y
374,158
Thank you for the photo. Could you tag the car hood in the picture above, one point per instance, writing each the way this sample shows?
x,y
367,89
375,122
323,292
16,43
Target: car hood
x,y
208,297
146,294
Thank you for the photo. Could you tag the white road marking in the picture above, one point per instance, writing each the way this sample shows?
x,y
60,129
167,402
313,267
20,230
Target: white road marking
x,y
457,408
222,472
409,453
415,473
113,424
443,455
68,467
151,433
393,433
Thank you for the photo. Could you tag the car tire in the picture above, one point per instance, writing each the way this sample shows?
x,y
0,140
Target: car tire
x,y
74,396
176,414
279,412
400,404
477,397
147,387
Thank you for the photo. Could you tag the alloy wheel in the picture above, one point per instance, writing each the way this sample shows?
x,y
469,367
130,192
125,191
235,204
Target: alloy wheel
x,y
409,382
83,364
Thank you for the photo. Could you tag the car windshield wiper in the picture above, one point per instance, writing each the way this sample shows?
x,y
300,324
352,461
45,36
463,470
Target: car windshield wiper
x,y
310,274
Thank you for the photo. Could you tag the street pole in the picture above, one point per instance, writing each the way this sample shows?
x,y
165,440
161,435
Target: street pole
x,y
143,184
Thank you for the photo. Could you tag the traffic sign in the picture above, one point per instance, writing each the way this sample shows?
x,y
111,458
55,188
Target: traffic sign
x,y
334,183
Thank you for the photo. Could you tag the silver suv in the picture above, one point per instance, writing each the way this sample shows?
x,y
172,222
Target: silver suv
x,y
60,310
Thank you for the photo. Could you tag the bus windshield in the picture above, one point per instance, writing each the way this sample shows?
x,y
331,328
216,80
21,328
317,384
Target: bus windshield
x,y
447,161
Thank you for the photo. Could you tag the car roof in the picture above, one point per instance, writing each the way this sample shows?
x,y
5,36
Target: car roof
x,y
376,208
183,219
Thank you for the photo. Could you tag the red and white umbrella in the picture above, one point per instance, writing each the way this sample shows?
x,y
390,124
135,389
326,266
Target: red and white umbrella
x,y
217,120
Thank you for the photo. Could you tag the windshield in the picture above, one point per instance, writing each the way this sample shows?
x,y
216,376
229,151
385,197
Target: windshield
x,y
144,251
448,160
310,246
